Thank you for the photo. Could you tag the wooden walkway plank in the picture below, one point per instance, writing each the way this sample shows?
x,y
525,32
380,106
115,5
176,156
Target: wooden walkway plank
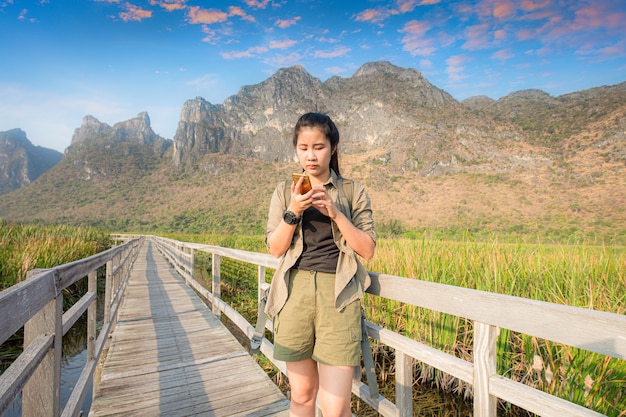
x,y
170,356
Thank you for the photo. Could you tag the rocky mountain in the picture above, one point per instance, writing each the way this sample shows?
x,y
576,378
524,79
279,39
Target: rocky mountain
x,y
369,109
253,123
381,107
21,162
548,120
100,151
586,128
527,162
136,130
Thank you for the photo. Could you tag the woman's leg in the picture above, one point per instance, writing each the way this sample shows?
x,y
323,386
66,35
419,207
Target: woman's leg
x,y
335,390
304,382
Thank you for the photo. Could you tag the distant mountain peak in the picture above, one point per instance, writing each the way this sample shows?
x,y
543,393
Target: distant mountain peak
x,y
21,162
531,93
478,102
89,128
14,136
285,79
370,68
291,69
137,130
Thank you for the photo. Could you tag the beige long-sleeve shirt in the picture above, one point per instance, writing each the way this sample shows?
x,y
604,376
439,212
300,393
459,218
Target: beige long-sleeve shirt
x,y
352,199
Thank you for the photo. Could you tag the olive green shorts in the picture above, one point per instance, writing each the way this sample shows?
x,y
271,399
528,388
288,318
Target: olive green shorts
x,y
309,325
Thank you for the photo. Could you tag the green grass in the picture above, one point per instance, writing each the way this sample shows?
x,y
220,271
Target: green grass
x,y
580,275
24,247
577,275
584,276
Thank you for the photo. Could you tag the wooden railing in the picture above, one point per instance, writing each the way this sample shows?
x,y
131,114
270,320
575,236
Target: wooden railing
x,y
37,305
594,331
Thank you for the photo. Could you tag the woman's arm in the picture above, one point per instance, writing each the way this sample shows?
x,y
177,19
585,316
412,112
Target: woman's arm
x,y
280,239
280,235
357,239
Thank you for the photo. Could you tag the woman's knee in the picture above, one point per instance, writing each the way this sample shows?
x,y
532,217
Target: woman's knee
x,y
335,390
335,407
304,396
304,381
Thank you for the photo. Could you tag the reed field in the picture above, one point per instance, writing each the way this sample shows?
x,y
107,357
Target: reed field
x,y
25,247
577,275
586,276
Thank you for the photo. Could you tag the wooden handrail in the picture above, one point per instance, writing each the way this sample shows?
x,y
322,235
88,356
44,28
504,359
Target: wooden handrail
x,y
37,305
43,318
591,330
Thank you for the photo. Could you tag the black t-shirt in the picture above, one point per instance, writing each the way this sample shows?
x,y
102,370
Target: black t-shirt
x,y
319,252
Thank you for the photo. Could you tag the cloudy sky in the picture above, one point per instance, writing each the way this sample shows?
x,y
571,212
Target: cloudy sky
x,y
112,59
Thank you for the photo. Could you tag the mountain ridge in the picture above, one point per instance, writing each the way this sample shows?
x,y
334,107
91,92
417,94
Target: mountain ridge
x,y
526,162
21,162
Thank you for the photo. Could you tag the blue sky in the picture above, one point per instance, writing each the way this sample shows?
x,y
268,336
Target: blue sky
x,y
112,59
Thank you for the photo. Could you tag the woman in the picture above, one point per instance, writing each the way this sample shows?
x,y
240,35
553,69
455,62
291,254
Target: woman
x,y
315,294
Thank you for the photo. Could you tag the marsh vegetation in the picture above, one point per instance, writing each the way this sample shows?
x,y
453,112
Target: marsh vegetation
x,y
581,275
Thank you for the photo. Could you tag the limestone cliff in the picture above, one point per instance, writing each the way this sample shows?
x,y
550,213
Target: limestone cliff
x,y
135,130
418,125
21,162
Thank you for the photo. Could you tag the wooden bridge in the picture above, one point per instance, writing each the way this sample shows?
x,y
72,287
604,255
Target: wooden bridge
x,y
170,356
161,352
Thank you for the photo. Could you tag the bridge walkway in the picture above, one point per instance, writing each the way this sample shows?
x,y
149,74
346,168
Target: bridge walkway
x,y
170,356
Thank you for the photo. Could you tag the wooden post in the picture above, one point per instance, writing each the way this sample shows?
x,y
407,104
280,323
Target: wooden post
x,y
108,291
260,282
404,384
215,284
41,394
120,271
92,317
191,263
92,286
485,405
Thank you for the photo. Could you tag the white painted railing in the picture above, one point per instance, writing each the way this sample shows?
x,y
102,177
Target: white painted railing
x,y
595,331
37,305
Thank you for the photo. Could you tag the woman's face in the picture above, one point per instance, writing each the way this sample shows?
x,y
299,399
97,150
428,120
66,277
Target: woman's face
x,y
314,151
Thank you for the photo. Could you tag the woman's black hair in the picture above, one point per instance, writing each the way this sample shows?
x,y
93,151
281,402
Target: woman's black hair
x,y
325,124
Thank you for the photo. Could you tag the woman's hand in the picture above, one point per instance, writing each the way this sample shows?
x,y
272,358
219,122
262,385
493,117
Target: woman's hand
x,y
357,239
299,202
321,201
279,240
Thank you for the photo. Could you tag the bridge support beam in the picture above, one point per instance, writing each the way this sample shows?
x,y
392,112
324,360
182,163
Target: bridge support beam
x,y
40,396
485,336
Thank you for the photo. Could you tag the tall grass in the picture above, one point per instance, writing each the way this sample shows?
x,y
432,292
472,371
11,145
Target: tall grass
x,y
25,247
582,276
579,275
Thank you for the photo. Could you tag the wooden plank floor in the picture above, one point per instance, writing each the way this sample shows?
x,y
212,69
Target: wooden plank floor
x,y
170,356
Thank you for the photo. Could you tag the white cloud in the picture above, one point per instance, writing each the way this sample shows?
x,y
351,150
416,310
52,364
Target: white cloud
x,y
205,81
335,70
455,68
285,44
332,53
